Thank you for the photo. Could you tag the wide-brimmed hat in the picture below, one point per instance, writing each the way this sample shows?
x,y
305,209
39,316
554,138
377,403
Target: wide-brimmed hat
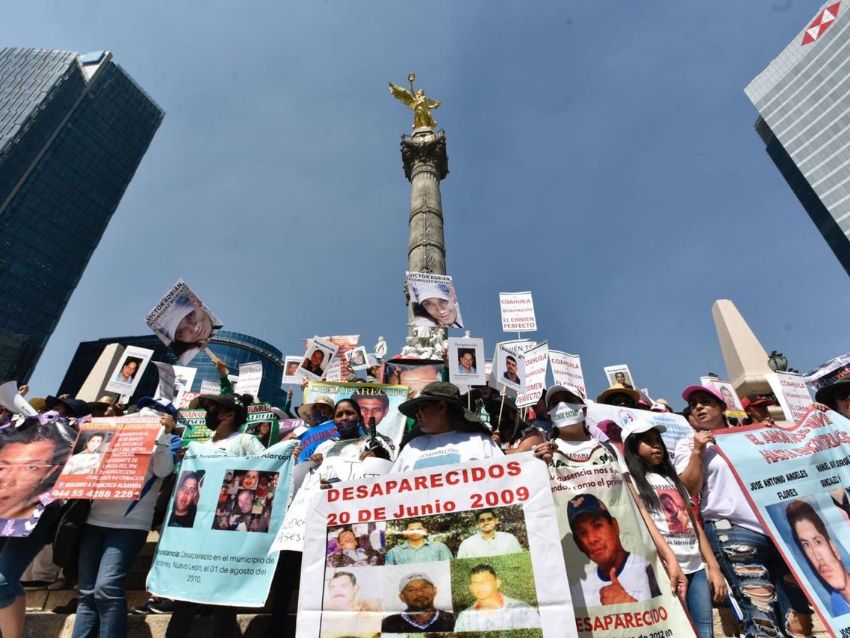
x,y
450,395
226,401
38,403
77,408
619,388
828,393
305,409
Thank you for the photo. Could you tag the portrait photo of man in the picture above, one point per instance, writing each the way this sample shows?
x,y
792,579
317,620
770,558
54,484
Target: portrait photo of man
x,y
510,373
416,547
372,406
88,459
349,616
488,541
186,498
466,363
418,591
618,576
492,609
314,362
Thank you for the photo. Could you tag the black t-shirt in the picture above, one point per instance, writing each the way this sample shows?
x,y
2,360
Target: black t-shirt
x,y
397,624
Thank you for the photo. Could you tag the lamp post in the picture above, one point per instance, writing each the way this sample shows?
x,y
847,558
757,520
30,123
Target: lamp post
x,y
777,361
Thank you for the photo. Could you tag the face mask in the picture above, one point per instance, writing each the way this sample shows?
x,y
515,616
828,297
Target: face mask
x,y
211,420
318,416
565,414
349,428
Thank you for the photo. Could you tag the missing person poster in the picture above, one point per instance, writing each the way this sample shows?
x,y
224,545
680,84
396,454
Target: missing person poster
x,y
466,361
517,312
219,526
415,374
129,370
619,375
262,423
508,369
250,378
110,460
290,368
316,360
472,547
617,582
433,301
34,454
182,322
566,370
798,481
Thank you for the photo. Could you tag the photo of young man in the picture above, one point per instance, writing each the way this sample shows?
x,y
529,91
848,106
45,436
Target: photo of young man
x,y
418,591
488,541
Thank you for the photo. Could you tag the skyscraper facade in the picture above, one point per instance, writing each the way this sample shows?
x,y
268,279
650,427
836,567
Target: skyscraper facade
x,y
73,129
803,100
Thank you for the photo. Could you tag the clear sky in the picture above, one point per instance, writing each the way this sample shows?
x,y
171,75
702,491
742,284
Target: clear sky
x,y
601,155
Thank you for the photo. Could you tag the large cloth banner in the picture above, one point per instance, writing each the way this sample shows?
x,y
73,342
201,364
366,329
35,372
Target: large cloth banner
x,y
617,582
377,401
219,527
110,460
798,481
31,456
677,426
474,544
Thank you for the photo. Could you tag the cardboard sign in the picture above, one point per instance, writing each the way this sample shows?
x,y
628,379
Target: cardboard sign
x,y
127,374
182,322
792,393
517,312
566,370
250,378
316,359
433,301
466,361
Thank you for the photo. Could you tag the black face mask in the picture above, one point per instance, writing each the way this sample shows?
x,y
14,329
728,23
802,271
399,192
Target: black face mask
x,y
212,418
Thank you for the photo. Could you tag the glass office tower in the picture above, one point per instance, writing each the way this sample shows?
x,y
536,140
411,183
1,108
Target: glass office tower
x,y
73,129
803,100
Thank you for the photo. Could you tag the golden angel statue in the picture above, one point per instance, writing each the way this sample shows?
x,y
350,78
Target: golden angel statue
x,y
418,102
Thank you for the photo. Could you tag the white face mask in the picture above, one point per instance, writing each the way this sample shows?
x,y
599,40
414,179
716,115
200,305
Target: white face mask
x,y
565,414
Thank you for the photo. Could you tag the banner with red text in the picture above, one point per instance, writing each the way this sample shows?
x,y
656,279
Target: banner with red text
x,y
798,482
617,582
792,393
110,460
448,540
517,312
566,370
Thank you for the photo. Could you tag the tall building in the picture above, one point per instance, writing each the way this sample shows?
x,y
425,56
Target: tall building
x,y
231,347
803,100
73,129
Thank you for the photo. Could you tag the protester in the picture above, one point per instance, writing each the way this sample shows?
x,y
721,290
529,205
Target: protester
x,y
749,560
756,409
352,439
114,533
31,458
67,407
492,610
621,395
510,433
488,541
417,592
836,396
319,411
669,505
445,431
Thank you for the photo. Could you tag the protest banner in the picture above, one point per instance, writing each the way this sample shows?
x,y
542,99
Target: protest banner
x,y
219,526
829,372
208,386
433,300
368,531
508,369
110,460
734,407
250,377
175,382
677,426
618,585
619,374
127,374
792,393
566,370
290,536
32,455
798,483
290,368
536,362
375,400
262,423
517,310
413,373
196,426
182,322
338,368
286,426
466,361
316,359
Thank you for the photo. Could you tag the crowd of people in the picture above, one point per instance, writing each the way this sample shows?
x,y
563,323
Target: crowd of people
x,y
707,536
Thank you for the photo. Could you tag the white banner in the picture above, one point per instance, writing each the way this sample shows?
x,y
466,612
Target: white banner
x,y
517,312
536,363
566,370
792,393
250,377
127,373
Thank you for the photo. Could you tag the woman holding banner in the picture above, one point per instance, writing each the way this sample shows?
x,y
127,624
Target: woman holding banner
x,y
771,601
353,441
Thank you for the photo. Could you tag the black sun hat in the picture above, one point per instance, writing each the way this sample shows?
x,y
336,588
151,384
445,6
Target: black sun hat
x,y
828,393
450,395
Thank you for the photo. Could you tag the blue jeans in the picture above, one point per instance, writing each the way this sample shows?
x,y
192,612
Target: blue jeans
x,y
699,603
16,553
760,581
105,557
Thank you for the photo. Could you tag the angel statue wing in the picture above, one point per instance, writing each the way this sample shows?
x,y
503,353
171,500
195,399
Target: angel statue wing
x,y
419,103
402,94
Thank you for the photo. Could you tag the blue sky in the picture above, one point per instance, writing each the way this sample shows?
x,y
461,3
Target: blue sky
x,y
601,155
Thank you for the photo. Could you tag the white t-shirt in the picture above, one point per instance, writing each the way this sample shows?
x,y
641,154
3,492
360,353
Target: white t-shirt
x,y
721,496
674,523
238,444
429,450
636,576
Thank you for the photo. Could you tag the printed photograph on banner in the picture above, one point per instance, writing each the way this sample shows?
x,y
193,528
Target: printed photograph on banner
x,y
358,358
35,453
352,602
361,545
466,361
433,300
316,359
290,369
509,369
517,310
413,373
262,423
619,375
816,529
129,370
186,497
182,322
245,501
88,453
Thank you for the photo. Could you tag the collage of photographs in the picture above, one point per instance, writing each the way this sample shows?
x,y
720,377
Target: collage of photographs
x,y
463,573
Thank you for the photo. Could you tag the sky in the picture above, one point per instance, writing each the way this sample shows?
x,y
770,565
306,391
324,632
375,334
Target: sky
x,y
601,155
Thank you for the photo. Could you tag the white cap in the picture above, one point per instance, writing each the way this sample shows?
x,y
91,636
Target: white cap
x,y
639,426
423,290
555,389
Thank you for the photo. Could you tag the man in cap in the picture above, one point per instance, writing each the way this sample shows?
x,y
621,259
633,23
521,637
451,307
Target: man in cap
x,y
417,591
619,577
492,610
488,541
445,431
756,409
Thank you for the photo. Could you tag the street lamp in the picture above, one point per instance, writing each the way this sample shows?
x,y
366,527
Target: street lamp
x,y
777,361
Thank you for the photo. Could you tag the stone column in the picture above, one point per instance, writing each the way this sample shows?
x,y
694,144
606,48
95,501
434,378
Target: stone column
x,y
743,354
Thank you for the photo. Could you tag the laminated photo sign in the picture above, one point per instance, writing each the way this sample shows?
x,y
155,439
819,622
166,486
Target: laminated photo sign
x,y
433,301
127,374
182,322
517,310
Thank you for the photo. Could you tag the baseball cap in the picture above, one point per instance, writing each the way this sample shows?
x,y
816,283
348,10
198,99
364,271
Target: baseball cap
x,y
406,580
585,504
555,389
639,426
754,401
687,392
